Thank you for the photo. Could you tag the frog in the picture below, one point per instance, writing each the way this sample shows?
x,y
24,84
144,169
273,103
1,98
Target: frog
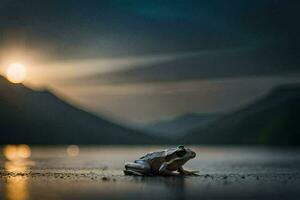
x,y
168,162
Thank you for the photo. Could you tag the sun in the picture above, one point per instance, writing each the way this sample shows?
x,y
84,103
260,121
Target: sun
x,y
16,73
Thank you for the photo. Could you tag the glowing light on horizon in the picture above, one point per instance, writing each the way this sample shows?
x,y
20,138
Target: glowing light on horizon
x,y
16,152
73,150
16,73
10,152
24,151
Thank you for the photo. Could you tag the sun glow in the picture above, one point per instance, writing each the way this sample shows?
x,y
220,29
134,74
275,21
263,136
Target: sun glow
x,y
16,73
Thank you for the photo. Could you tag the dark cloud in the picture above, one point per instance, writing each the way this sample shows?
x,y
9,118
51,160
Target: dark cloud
x,y
242,38
270,59
66,28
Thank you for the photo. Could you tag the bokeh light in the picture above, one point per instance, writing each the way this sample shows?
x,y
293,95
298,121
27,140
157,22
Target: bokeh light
x,y
73,150
24,151
16,152
10,152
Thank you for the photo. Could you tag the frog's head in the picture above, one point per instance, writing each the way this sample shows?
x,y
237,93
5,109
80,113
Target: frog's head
x,y
179,155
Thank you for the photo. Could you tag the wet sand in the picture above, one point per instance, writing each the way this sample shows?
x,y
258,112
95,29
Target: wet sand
x,y
96,173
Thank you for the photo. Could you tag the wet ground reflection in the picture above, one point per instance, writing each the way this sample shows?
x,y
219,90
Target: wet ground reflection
x,y
97,173
16,187
17,165
175,187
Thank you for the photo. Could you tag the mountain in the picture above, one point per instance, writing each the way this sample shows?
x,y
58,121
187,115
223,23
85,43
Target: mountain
x,y
40,117
181,124
271,120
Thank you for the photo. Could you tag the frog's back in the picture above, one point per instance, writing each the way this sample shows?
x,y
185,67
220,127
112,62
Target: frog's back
x,y
153,155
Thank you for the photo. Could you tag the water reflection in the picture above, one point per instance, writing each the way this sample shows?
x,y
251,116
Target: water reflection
x,y
178,187
172,187
16,187
17,165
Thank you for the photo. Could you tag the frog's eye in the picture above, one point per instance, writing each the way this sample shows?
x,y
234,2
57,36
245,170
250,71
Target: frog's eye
x,y
180,152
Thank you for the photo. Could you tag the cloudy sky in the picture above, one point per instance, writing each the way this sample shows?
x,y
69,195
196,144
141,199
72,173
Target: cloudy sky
x,y
139,61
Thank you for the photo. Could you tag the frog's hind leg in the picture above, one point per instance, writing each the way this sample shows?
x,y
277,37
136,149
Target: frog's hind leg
x,y
133,173
164,171
137,169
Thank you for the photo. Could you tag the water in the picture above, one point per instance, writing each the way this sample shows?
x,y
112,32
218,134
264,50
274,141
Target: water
x,y
96,172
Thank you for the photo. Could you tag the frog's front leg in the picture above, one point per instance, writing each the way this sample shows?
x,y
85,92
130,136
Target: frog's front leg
x,y
137,169
163,170
188,173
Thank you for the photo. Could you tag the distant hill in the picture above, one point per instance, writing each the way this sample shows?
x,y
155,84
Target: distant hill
x,y
40,117
178,126
272,120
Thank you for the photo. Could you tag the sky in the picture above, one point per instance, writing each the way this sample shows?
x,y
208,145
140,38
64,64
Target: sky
x,y
140,61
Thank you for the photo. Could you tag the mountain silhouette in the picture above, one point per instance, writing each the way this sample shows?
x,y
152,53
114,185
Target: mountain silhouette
x,y
40,117
271,120
179,125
